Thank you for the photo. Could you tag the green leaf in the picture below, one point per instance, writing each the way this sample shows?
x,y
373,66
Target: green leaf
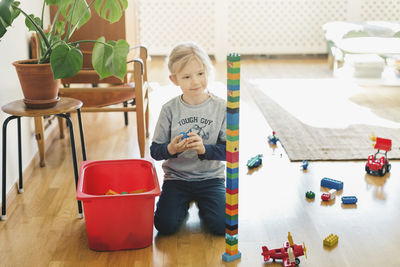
x,y
6,12
30,25
101,52
117,62
65,61
112,8
81,11
53,2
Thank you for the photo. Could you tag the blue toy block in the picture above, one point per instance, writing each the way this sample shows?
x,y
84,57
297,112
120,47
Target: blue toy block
x,y
349,200
184,135
331,183
226,257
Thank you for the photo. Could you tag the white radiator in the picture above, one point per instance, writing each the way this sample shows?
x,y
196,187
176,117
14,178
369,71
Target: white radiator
x,y
251,26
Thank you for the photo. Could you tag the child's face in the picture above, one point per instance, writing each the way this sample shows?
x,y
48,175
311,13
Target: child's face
x,y
192,79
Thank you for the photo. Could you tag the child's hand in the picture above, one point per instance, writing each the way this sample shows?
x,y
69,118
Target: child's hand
x,y
195,142
177,145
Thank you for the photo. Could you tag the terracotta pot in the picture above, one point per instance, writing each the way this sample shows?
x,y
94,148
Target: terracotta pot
x,y
38,85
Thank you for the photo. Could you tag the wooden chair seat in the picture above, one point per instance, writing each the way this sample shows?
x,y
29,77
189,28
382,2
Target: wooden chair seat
x,y
108,96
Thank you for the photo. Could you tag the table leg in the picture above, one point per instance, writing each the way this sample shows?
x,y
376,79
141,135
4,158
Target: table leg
x,y
39,134
4,164
81,134
20,184
74,160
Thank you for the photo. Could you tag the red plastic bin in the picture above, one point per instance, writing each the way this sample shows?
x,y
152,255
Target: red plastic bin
x,y
116,222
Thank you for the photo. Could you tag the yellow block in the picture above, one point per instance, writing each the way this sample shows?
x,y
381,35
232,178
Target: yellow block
x,y
232,199
231,248
235,64
232,146
234,93
233,165
232,104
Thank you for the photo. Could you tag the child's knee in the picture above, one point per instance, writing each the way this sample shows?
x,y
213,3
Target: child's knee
x,y
166,227
216,224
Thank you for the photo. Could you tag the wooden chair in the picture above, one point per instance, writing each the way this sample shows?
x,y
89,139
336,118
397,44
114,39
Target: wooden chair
x,y
102,95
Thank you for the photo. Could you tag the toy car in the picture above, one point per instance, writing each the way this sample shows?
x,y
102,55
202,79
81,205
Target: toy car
x,y
380,165
329,196
304,164
254,162
310,195
272,139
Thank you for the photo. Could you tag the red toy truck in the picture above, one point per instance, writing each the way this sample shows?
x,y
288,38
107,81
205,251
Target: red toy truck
x,y
380,165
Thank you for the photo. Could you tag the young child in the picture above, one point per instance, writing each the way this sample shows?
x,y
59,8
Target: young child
x,y
190,136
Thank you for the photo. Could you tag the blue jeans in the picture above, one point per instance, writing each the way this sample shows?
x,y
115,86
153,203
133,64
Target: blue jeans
x,y
176,195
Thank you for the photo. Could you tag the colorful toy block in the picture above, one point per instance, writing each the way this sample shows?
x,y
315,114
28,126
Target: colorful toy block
x,y
331,183
111,192
232,159
272,139
349,200
304,164
310,195
331,240
184,135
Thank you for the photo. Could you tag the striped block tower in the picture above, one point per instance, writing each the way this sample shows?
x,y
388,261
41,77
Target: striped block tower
x,y
232,159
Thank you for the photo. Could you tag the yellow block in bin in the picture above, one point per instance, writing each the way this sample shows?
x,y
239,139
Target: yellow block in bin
x,y
232,146
232,165
231,248
232,199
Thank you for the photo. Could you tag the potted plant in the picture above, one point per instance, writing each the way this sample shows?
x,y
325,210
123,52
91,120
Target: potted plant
x,y
58,57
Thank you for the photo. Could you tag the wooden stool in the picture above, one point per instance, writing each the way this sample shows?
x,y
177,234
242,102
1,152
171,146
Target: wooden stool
x,y
17,109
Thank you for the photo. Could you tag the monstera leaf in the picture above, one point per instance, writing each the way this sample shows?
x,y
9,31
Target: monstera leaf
x,y
65,61
109,59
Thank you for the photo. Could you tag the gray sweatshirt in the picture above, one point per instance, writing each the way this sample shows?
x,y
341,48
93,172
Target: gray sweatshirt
x,y
208,120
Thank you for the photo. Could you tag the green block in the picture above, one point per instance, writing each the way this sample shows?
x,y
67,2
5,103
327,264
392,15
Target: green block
x,y
233,70
232,138
233,98
233,82
233,57
232,218
231,241
232,175
232,126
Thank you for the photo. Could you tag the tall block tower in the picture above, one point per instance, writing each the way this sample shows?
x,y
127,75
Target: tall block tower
x,y
232,159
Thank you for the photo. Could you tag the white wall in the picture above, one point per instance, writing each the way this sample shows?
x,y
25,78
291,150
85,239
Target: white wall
x,y
14,46
251,26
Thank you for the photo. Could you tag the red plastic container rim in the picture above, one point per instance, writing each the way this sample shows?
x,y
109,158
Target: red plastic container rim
x,y
80,195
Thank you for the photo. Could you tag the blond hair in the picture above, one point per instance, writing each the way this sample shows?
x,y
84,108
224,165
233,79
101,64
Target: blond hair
x,y
183,53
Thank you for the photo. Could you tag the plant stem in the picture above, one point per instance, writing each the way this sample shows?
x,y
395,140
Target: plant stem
x,y
38,28
70,22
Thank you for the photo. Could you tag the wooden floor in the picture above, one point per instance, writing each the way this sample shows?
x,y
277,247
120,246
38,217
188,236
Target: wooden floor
x,y
42,228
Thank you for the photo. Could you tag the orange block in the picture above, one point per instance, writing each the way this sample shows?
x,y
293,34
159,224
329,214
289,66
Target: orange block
x,y
231,212
231,232
111,192
231,251
233,76
137,191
